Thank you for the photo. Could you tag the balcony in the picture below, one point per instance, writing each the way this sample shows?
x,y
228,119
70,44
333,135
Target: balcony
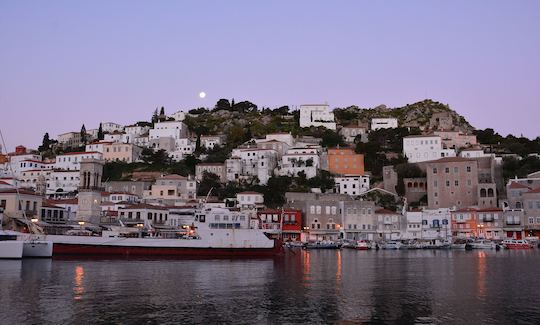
x,y
513,222
488,219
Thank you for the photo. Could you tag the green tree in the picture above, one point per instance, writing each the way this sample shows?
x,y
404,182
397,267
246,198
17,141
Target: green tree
x,y
159,157
100,134
45,143
83,134
209,181
223,105
155,116
331,139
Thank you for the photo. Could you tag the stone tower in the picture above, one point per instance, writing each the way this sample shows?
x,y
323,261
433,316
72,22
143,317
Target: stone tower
x,y
89,209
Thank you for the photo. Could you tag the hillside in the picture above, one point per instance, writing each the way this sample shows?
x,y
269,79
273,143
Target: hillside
x,y
238,122
426,115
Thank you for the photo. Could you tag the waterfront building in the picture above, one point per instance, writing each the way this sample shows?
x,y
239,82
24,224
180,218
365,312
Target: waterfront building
x,y
388,224
490,223
322,211
17,204
286,223
464,223
531,208
359,220
452,182
513,223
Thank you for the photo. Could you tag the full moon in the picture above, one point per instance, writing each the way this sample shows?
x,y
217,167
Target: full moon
x,y
202,94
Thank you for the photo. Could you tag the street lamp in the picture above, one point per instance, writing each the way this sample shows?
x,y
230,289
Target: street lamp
x,y
34,220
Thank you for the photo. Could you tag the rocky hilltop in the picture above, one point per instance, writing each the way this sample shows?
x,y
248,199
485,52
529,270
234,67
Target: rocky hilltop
x,y
426,115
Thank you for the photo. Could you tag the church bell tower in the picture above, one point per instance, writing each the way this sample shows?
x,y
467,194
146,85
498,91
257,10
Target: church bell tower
x,y
89,209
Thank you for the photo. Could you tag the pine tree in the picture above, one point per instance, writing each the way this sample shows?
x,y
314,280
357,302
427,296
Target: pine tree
x,y
83,134
46,143
100,134
162,112
155,116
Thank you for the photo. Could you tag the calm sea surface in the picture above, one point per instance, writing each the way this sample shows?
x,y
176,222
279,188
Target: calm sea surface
x,y
311,287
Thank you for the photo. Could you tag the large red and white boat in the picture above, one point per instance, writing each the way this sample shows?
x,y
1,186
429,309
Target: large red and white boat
x,y
516,244
215,232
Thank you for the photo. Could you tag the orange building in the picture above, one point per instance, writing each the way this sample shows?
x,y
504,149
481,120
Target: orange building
x,y
464,223
345,161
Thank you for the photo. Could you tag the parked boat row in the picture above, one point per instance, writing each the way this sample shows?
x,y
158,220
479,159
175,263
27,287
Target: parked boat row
x,y
460,244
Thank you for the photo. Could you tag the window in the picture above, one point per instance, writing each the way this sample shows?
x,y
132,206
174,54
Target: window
x,y
468,169
435,184
434,170
531,219
447,170
447,183
456,183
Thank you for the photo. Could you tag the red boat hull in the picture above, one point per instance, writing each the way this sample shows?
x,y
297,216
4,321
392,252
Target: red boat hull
x,y
96,250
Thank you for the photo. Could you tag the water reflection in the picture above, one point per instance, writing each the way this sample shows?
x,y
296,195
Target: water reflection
x,y
78,289
481,282
311,287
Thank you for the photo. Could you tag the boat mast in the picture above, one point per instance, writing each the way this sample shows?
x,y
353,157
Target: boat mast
x,y
31,226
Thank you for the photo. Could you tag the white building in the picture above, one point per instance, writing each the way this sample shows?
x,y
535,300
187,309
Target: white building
x,y
352,184
285,137
317,115
210,141
250,200
62,182
436,224
473,153
179,116
111,127
300,159
72,160
418,148
185,145
429,225
384,123
132,132
169,129
69,139
115,136
255,162
97,146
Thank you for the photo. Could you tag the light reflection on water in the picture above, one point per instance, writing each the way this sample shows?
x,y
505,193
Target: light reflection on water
x,y
312,287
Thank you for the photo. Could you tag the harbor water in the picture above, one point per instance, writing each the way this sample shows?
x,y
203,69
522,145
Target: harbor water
x,y
301,287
